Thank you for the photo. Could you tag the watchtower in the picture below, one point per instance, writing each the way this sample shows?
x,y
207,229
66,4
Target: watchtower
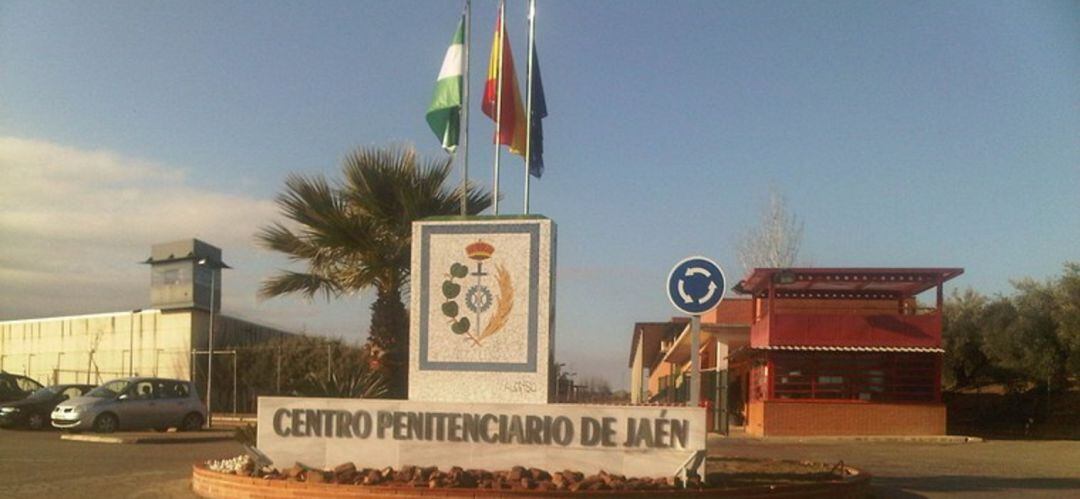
x,y
181,274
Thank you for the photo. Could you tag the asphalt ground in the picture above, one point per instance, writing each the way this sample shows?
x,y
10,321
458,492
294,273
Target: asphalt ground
x,y
994,468
40,465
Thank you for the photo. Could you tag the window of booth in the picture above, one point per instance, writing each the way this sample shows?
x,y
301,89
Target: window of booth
x,y
892,377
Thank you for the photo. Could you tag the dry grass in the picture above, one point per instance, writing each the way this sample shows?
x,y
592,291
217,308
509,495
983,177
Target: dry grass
x,y
506,303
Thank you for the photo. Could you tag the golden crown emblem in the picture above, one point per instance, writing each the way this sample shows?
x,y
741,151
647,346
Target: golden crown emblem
x,y
479,251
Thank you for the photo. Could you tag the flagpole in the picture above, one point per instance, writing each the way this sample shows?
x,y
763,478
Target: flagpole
x,y
465,113
498,99
529,100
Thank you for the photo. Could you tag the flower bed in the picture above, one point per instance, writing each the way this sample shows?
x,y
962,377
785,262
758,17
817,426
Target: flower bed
x,y
238,478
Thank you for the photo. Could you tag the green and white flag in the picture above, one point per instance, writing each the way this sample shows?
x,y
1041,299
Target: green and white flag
x,y
444,113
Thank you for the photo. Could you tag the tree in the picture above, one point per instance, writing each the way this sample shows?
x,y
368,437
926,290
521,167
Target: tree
x,y
306,366
962,337
1029,342
356,234
594,389
775,241
1067,315
1021,335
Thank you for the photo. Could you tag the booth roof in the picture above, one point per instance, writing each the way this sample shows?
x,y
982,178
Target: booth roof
x,y
892,281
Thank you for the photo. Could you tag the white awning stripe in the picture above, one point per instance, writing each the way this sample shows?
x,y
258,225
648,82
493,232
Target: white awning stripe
x,y
849,349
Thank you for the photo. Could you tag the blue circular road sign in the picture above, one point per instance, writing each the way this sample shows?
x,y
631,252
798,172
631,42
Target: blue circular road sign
x,y
695,285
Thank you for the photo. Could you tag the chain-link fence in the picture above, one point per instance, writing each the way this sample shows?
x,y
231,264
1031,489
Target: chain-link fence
x,y
83,376
298,365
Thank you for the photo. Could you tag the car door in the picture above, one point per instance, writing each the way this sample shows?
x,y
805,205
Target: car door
x,y
8,390
173,397
138,409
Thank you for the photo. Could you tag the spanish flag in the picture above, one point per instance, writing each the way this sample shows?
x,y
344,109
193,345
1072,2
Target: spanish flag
x,y
512,122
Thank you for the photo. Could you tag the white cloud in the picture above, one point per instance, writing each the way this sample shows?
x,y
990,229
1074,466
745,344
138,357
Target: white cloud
x,y
75,223
66,194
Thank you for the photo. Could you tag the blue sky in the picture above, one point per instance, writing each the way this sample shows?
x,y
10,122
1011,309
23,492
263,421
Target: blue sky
x,y
902,134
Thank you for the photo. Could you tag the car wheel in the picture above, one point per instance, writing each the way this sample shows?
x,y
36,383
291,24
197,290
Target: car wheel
x,y
106,423
192,422
35,421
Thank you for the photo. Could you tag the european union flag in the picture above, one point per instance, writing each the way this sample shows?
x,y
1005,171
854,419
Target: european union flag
x,y
536,128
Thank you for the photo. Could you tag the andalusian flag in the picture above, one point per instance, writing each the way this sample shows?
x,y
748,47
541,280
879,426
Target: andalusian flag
x,y
512,122
444,113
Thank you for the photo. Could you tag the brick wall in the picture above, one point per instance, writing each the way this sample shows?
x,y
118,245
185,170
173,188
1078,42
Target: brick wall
x,y
730,311
786,418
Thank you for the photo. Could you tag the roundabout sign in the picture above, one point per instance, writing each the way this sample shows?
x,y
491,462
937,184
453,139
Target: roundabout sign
x,y
695,285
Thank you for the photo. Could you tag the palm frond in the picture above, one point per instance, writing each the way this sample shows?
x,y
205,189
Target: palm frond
x,y
287,282
357,233
279,238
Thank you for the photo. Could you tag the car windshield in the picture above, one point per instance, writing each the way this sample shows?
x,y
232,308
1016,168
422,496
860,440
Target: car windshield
x,y
109,390
47,392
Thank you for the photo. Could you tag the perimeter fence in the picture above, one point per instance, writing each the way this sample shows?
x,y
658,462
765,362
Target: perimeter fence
x,y
289,366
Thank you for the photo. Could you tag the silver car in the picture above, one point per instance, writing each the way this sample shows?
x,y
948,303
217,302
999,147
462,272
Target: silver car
x,y
133,404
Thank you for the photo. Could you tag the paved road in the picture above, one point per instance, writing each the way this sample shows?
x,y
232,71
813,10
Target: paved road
x,y
908,470
39,464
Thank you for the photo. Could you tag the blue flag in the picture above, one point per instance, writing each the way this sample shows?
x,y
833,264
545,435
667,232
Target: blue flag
x,y
536,128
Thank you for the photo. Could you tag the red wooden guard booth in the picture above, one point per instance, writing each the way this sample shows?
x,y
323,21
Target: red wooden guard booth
x,y
843,351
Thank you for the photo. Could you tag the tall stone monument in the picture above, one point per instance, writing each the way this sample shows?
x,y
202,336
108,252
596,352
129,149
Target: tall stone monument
x,y
481,338
481,315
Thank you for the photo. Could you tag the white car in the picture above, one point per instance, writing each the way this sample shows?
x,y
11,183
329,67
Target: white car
x,y
133,404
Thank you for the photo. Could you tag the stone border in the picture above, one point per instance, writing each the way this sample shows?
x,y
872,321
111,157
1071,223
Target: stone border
x,y
918,439
163,438
214,485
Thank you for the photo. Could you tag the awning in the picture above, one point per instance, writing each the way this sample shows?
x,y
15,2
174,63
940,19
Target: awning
x,y
797,348
650,335
679,353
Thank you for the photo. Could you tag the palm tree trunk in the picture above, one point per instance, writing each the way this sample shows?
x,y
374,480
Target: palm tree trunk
x,y
390,333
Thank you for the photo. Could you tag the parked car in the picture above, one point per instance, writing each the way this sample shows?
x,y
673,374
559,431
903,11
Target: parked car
x,y
15,387
33,411
133,404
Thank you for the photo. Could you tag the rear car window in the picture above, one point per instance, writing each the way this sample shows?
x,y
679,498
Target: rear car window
x,y
27,384
172,389
144,390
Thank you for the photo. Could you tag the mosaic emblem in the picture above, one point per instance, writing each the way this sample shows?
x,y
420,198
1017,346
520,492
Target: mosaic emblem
x,y
484,314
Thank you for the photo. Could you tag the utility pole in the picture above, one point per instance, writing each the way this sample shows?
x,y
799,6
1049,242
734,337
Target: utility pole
x,y
214,267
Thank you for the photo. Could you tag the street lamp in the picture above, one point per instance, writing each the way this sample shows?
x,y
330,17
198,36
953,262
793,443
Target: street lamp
x,y
558,367
213,266
570,396
131,342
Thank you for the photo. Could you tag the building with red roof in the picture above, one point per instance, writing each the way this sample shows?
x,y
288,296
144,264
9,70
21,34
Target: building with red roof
x,y
810,351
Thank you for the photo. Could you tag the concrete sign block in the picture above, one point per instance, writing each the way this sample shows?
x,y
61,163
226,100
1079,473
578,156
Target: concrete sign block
x,y
634,441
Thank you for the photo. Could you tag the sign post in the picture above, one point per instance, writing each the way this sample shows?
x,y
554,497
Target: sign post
x,y
695,285
695,360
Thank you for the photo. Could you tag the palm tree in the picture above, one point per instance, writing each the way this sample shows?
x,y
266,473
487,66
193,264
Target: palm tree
x,y
357,234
